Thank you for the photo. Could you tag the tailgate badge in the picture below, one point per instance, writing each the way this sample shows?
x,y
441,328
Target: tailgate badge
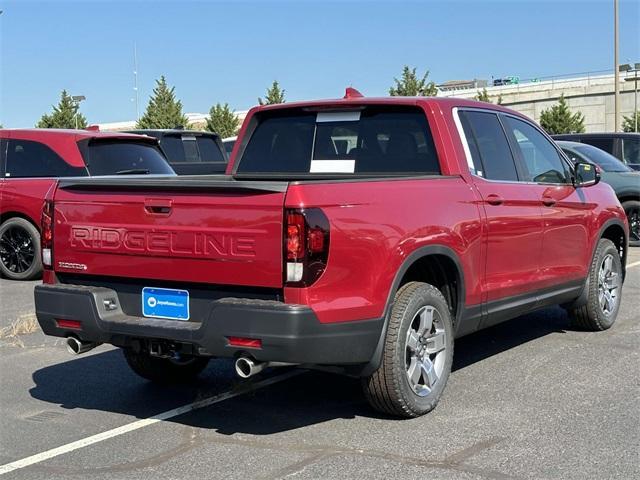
x,y
72,266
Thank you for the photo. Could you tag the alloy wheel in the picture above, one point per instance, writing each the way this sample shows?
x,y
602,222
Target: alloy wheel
x,y
425,354
17,251
609,280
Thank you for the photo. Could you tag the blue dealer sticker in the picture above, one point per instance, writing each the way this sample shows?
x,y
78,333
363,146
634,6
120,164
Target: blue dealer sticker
x,y
165,303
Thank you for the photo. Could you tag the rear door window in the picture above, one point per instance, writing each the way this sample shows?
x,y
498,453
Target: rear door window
x,y
124,158
29,159
488,146
373,140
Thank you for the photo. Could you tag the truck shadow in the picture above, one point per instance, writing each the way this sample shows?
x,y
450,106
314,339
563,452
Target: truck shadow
x,y
103,382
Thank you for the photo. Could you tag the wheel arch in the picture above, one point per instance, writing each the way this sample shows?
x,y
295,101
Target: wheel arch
x,y
4,216
613,229
437,264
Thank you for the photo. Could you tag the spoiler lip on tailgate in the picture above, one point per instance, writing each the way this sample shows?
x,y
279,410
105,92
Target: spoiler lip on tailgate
x,y
153,182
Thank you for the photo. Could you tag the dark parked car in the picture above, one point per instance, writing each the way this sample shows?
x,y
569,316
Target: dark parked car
x,y
30,162
624,180
624,146
191,152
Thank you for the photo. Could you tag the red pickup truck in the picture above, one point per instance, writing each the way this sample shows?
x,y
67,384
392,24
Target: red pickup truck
x,y
359,234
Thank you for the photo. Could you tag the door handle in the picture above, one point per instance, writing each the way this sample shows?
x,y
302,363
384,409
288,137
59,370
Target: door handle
x,y
157,206
548,201
494,199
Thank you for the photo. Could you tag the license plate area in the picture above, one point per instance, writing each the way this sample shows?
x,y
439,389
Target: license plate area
x,y
167,303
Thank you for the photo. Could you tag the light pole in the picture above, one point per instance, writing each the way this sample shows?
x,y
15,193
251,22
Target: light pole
x,y
77,99
635,70
616,71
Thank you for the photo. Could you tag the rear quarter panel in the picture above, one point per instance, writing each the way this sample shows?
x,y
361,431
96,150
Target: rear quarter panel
x,y
24,197
375,226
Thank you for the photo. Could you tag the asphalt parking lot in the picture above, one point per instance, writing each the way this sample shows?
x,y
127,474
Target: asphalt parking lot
x,y
530,398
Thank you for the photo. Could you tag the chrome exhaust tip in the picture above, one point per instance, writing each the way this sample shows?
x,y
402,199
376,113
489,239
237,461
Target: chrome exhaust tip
x,y
76,347
247,367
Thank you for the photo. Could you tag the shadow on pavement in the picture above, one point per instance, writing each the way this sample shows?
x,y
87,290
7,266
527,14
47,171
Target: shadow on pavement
x,y
104,382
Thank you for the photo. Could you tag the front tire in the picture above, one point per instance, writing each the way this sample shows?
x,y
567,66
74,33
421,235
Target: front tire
x,y
19,250
604,290
417,355
165,370
632,210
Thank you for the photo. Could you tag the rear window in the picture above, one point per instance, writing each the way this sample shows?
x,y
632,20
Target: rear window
x,y
192,149
122,158
631,150
605,160
370,141
209,150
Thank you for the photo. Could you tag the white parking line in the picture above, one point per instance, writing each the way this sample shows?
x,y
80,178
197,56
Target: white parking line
x,y
634,264
85,442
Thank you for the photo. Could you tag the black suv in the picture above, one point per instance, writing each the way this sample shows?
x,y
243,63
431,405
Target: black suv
x,y
190,152
624,146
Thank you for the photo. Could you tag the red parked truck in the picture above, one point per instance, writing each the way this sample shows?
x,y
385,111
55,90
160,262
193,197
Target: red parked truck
x,y
30,162
360,233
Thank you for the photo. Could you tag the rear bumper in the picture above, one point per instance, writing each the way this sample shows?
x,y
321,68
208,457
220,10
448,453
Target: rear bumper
x,y
289,333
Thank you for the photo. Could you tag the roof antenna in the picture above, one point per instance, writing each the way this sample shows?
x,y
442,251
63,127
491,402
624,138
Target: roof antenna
x,y
351,92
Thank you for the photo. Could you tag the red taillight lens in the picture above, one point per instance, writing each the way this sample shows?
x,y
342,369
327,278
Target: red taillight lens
x,y
46,235
295,236
307,246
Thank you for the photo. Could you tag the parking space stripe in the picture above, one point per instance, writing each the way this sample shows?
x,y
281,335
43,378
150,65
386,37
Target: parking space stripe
x,y
100,437
634,264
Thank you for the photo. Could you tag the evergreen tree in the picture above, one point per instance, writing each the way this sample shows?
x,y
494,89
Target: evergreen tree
x,y
223,121
559,119
629,123
274,95
163,110
64,115
410,85
483,96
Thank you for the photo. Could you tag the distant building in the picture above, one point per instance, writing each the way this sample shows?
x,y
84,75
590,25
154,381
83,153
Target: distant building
x,y
462,85
197,121
590,94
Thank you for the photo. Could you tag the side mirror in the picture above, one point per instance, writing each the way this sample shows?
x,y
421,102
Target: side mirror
x,y
586,175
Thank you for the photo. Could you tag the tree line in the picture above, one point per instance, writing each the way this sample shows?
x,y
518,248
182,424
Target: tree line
x,y
164,110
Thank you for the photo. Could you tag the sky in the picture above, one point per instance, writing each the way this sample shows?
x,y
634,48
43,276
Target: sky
x,y
230,52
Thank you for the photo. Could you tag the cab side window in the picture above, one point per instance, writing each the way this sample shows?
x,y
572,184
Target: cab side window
x,y
488,145
27,159
540,158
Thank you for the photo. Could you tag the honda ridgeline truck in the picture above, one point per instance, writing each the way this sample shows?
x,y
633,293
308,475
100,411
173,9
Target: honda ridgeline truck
x,y
359,234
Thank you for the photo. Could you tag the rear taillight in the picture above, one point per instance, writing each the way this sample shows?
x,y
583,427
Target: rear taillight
x,y
306,242
46,236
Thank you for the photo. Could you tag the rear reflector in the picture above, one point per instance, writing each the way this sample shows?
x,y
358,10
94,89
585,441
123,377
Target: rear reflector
x,y
69,324
245,342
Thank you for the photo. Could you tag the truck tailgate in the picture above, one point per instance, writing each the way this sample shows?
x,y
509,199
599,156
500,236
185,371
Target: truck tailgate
x,y
215,230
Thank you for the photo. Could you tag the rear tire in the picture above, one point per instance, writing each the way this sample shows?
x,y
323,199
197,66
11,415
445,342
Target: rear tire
x,y
632,210
19,250
604,290
165,370
417,355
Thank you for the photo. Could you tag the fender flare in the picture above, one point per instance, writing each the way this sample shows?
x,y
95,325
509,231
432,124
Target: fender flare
x,y
417,254
582,299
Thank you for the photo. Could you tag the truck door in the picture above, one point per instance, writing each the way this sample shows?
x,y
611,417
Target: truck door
x,y
513,215
565,253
